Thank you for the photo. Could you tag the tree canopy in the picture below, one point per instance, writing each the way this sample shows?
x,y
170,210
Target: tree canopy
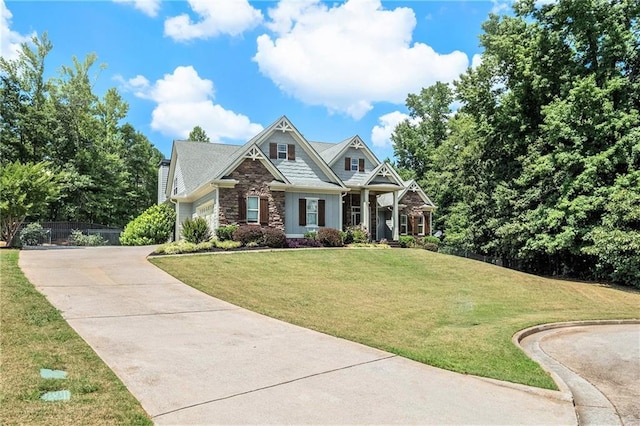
x,y
198,135
540,162
106,169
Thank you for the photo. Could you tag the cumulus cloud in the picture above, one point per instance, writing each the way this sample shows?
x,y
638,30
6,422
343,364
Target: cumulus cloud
x,y
184,100
231,17
350,55
381,133
148,7
10,41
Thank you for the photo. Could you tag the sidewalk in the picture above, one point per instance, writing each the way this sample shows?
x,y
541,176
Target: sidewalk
x,y
190,358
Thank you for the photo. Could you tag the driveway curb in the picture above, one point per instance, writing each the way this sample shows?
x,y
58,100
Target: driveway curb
x,y
594,406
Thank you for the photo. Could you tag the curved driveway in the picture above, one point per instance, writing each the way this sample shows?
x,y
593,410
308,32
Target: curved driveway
x,y
190,358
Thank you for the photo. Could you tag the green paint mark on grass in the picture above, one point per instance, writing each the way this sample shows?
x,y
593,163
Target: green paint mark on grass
x,y
45,373
63,395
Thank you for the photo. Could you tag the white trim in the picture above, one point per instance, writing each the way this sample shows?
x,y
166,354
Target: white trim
x,y
279,186
356,143
257,210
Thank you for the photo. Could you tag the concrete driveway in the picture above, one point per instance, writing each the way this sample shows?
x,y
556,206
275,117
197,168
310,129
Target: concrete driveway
x,y
193,359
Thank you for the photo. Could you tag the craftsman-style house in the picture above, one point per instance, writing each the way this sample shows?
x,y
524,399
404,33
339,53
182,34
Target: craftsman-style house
x,y
280,179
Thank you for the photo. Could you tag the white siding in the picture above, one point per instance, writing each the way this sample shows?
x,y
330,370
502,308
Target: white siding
x,y
184,211
163,175
177,174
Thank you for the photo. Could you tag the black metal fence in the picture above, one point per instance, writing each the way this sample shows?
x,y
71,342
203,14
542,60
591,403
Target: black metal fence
x,y
59,232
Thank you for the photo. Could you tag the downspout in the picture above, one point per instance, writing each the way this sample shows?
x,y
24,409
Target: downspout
x,y
175,227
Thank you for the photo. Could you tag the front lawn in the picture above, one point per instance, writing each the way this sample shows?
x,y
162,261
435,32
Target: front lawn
x,y
442,310
34,336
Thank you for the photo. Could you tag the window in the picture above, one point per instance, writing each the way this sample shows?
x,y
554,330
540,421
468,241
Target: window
x,y
403,224
175,186
355,216
253,204
354,164
312,211
421,225
282,151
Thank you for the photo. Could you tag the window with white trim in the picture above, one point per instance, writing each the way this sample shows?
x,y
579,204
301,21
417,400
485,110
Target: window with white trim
x,y
354,164
355,215
312,212
282,151
175,186
403,224
253,209
421,225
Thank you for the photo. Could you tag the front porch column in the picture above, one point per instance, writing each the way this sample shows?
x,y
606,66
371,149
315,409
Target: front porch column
x,y
396,222
364,209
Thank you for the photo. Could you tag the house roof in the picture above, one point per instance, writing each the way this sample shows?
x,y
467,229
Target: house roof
x,y
201,161
385,200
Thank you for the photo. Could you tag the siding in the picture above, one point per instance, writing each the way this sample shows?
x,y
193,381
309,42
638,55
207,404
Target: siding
x,y
332,211
163,175
177,173
184,211
353,178
303,167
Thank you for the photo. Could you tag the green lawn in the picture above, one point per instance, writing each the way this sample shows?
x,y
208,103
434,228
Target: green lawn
x,y
442,310
35,336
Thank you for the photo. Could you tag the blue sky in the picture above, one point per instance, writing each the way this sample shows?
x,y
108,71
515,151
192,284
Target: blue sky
x,y
336,69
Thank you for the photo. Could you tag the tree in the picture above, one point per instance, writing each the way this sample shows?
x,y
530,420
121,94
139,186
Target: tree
x,y
198,135
26,191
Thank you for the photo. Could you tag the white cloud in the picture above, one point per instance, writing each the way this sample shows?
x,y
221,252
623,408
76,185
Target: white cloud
x,y
500,6
381,133
184,100
476,60
148,7
350,55
231,17
10,41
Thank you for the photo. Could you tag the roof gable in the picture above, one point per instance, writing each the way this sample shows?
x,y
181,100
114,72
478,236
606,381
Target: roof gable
x,y
412,186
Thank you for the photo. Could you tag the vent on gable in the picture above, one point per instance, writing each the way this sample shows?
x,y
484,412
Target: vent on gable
x,y
284,126
357,143
254,153
414,187
384,171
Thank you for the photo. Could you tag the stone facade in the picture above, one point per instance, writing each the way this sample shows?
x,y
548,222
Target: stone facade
x,y
254,180
413,207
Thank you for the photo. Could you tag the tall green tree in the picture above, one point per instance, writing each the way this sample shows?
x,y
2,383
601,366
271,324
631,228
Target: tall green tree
x,y
198,135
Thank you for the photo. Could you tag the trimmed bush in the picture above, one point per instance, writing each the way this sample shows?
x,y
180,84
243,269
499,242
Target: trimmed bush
x,y
359,234
329,237
407,241
430,239
154,226
77,238
274,237
225,233
228,244
302,242
32,234
431,246
196,230
246,234
310,235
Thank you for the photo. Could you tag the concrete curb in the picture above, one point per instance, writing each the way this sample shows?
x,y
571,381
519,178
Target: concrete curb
x,y
562,374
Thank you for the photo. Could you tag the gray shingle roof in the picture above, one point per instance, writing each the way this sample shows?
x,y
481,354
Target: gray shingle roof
x,y
201,161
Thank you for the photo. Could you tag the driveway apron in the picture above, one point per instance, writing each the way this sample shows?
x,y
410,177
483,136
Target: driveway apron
x,y
192,359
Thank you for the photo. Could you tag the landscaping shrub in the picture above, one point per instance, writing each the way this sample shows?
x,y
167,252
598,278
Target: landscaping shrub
x,y
246,234
178,247
430,239
205,245
358,234
430,246
407,241
329,237
228,244
225,233
310,235
274,237
196,230
154,226
77,238
32,234
302,242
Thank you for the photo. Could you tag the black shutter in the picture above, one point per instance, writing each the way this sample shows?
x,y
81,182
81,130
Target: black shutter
x,y
291,152
242,209
302,212
273,151
347,163
321,213
264,211
361,164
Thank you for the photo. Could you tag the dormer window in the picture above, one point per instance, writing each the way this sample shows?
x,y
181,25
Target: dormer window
x,y
282,151
354,164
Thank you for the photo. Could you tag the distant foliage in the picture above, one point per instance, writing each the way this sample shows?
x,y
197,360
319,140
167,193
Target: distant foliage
x,y
274,237
196,230
329,237
225,233
32,234
77,238
154,226
246,234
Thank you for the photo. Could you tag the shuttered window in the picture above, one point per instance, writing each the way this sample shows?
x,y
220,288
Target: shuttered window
x,y
420,225
311,212
253,209
403,224
361,165
282,151
264,211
